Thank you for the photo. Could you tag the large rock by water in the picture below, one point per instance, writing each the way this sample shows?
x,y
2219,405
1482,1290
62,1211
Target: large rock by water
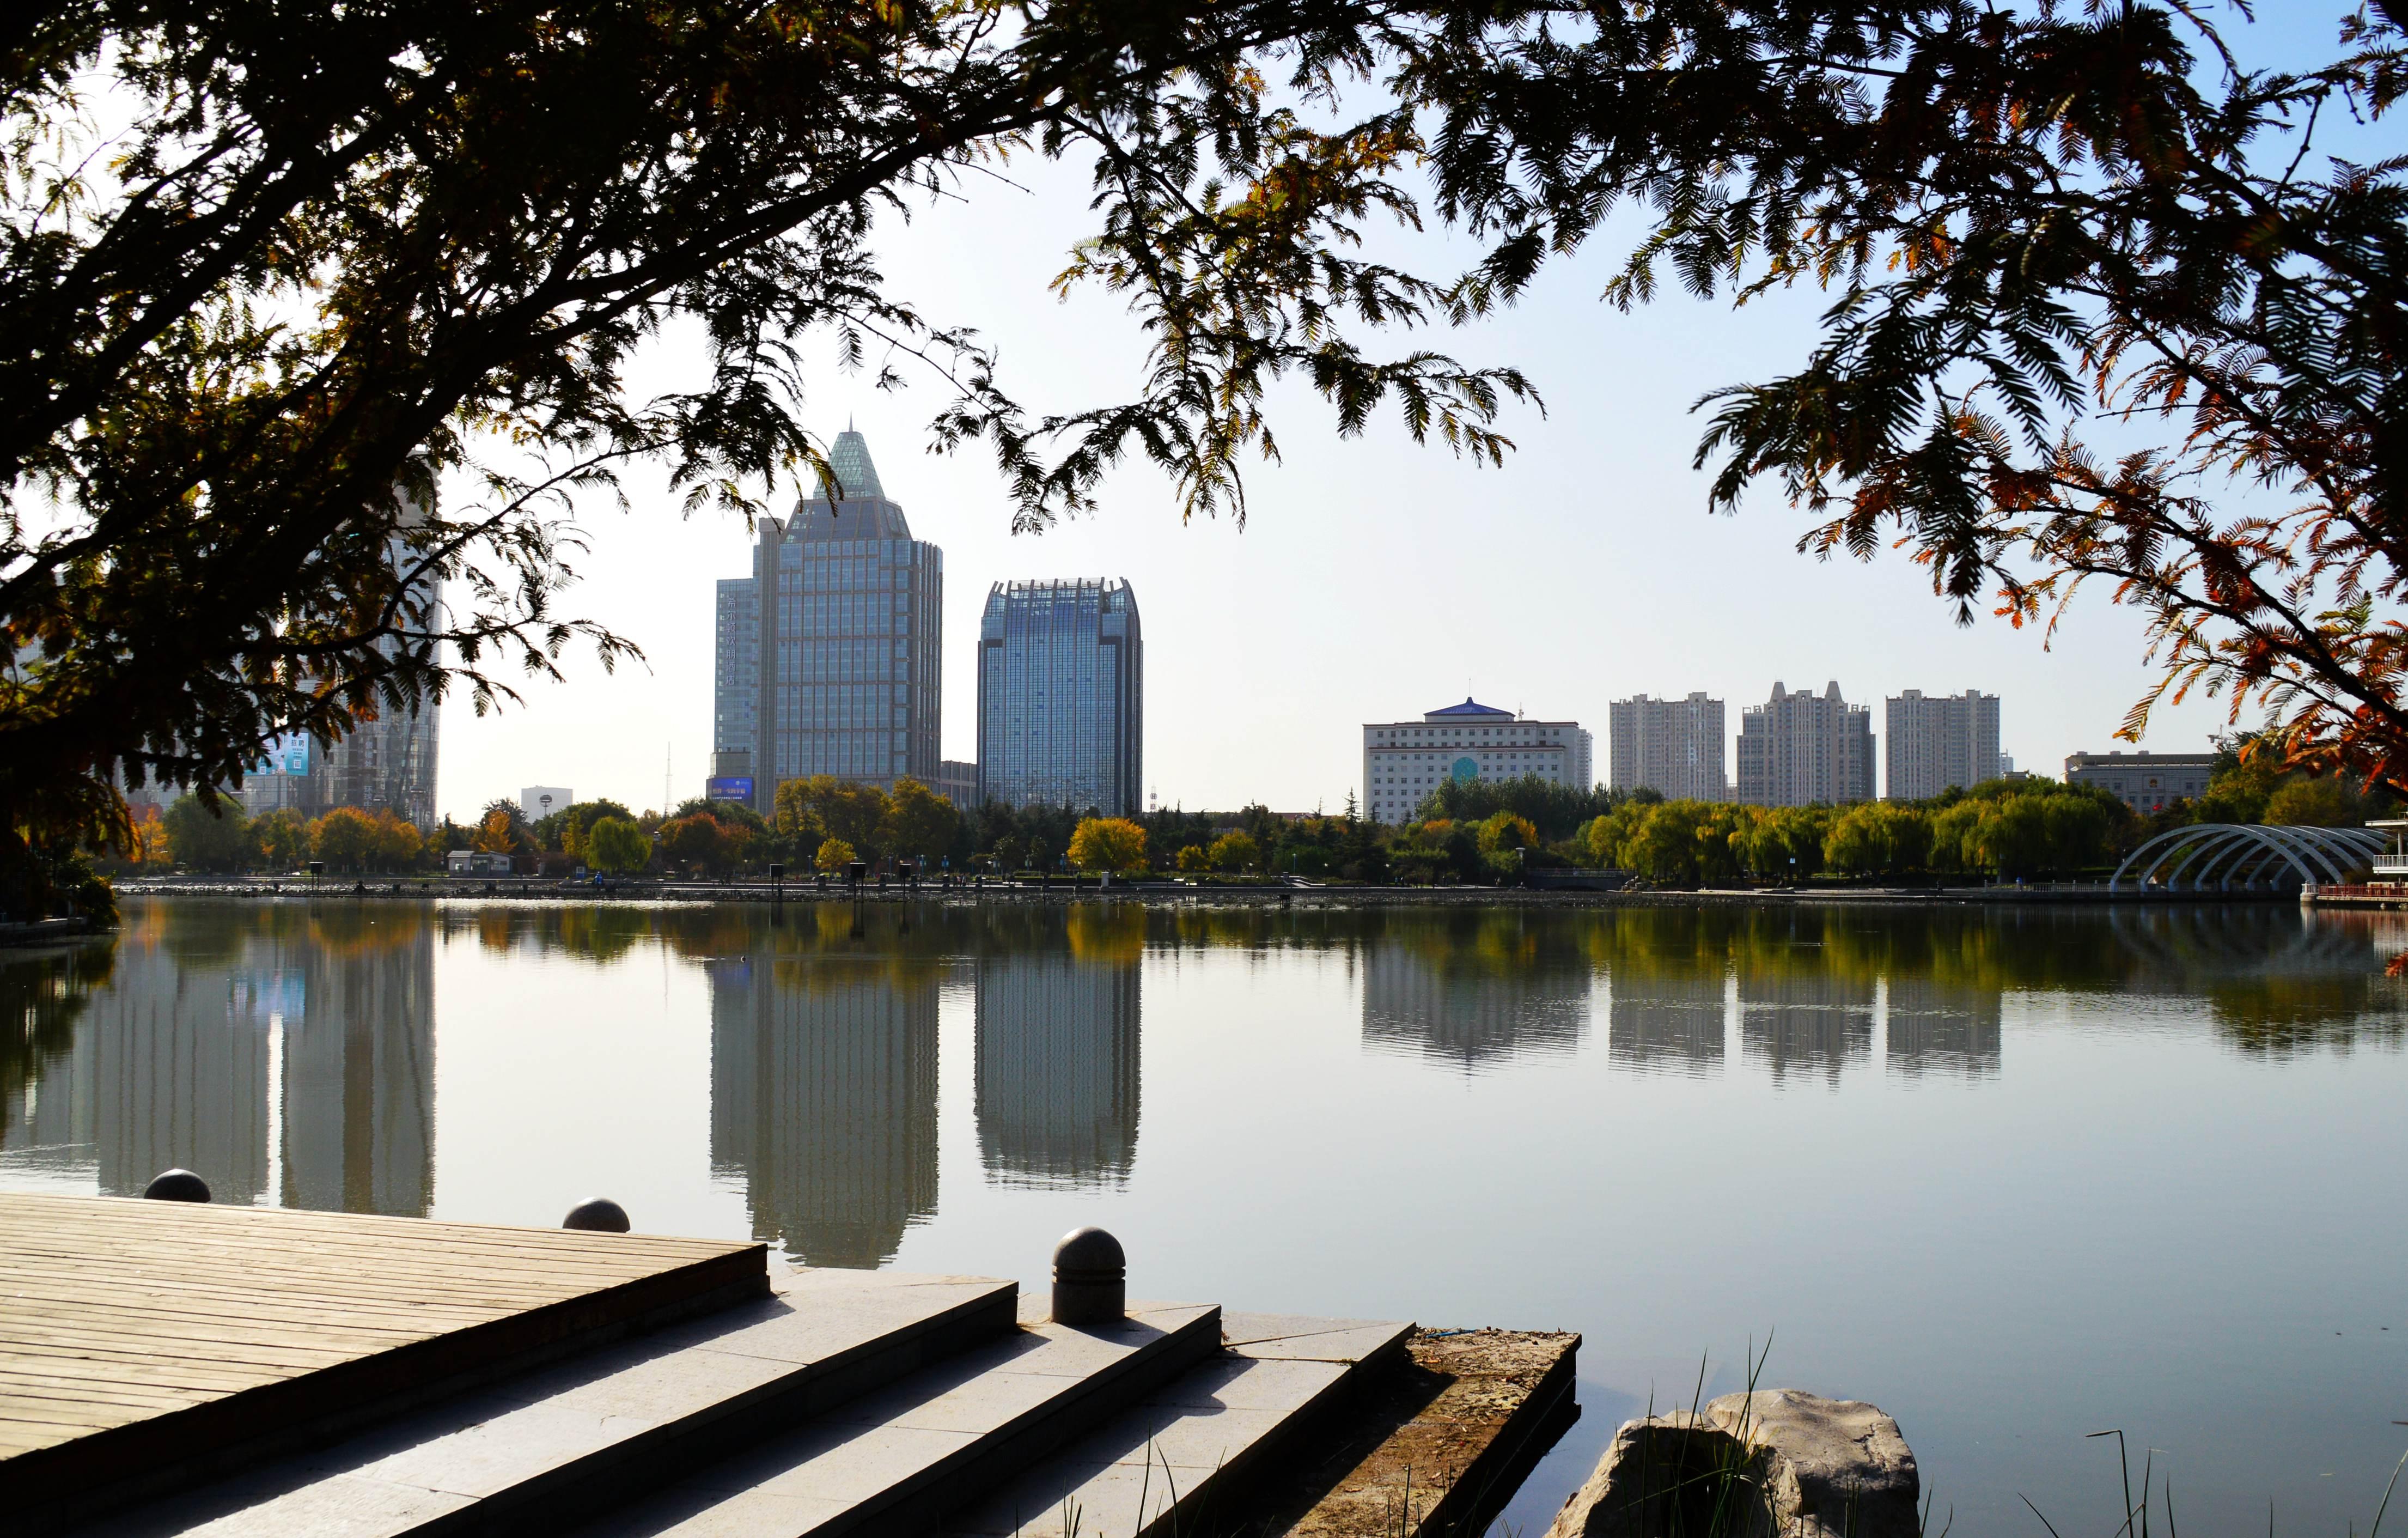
x,y
1777,1463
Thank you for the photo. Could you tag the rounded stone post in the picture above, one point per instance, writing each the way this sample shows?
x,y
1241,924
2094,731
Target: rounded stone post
x,y
1090,1278
596,1215
176,1186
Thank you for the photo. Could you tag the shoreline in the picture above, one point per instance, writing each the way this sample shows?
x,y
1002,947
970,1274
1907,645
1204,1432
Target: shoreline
x,y
535,890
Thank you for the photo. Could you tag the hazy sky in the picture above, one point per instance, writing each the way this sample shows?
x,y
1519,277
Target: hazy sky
x,y
1374,580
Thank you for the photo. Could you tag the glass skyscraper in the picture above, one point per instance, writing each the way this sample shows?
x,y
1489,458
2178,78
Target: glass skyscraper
x,y
828,654
384,764
1062,697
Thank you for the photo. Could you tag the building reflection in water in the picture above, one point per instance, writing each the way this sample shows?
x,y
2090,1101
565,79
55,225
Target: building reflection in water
x,y
1798,1020
823,1102
1667,1024
359,1063
1057,1068
1935,1028
286,1057
1474,990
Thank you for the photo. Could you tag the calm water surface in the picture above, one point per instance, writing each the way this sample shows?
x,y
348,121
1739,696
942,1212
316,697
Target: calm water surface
x,y
2016,1176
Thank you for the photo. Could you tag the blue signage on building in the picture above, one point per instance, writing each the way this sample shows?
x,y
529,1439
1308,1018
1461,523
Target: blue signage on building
x,y
286,755
730,787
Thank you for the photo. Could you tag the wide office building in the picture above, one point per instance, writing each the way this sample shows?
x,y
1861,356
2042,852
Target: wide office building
x,y
1674,747
1403,761
1061,706
957,782
829,653
1803,749
1934,741
2145,782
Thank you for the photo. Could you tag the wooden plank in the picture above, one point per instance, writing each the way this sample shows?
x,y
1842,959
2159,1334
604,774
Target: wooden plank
x,y
227,1303
159,1336
176,1221
306,1255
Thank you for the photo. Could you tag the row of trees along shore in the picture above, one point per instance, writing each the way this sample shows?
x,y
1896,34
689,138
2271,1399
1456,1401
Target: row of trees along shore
x,y
2110,296
1471,833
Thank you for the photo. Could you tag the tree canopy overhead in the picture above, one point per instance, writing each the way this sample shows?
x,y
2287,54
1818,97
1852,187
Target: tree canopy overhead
x,y
268,274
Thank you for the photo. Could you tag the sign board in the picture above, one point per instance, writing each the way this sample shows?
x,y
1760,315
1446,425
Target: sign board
x,y
287,753
730,788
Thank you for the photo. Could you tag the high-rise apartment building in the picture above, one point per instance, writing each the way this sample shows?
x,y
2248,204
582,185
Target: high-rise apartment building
x,y
1061,702
828,654
1801,748
1938,740
1403,761
1674,747
384,764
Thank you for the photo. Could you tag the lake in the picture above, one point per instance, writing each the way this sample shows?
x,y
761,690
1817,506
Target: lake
x,y
2015,1175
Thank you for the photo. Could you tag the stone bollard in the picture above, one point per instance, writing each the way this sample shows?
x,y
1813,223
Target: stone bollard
x,y
176,1186
1090,1278
596,1215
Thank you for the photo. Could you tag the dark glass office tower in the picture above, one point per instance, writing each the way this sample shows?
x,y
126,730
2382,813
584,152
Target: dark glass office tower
x,y
1062,697
828,654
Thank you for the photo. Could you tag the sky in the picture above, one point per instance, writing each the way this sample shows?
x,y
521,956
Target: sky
x,y
1373,579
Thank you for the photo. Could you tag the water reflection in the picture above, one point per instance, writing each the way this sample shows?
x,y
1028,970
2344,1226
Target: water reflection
x,y
823,1085
1669,1025
1471,989
287,1055
1940,1029
1798,1019
287,1049
1056,1100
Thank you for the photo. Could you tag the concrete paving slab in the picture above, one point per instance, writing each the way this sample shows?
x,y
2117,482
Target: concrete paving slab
x,y
1192,1447
1242,1383
1282,1335
891,1460
345,1507
563,1434
755,1514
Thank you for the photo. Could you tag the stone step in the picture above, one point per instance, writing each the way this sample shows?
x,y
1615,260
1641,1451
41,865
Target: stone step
x,y
587,1435
893,1461
1185,1458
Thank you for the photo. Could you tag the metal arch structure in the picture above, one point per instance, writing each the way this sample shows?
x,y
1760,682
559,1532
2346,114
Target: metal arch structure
x,y
2192,856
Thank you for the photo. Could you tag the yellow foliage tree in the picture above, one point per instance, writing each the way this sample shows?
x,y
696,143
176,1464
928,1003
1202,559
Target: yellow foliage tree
x,y
1234,852
282,837
1194,857
398,844
617,845
854,815
345,839
919,821
1107,843
834,856
497,832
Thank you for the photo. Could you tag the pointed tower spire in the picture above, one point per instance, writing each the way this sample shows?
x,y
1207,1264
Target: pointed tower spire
x,y
856,477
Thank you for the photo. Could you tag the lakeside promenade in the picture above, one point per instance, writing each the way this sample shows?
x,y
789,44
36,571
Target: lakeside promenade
x,y
1087,889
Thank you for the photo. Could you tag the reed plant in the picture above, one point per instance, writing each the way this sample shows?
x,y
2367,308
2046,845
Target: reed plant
x,y
2156,1492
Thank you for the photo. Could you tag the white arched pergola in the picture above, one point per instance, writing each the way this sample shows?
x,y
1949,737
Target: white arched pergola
x,y
2216,855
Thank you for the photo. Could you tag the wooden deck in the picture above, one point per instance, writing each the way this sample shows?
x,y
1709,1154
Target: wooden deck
x,y
158,1342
